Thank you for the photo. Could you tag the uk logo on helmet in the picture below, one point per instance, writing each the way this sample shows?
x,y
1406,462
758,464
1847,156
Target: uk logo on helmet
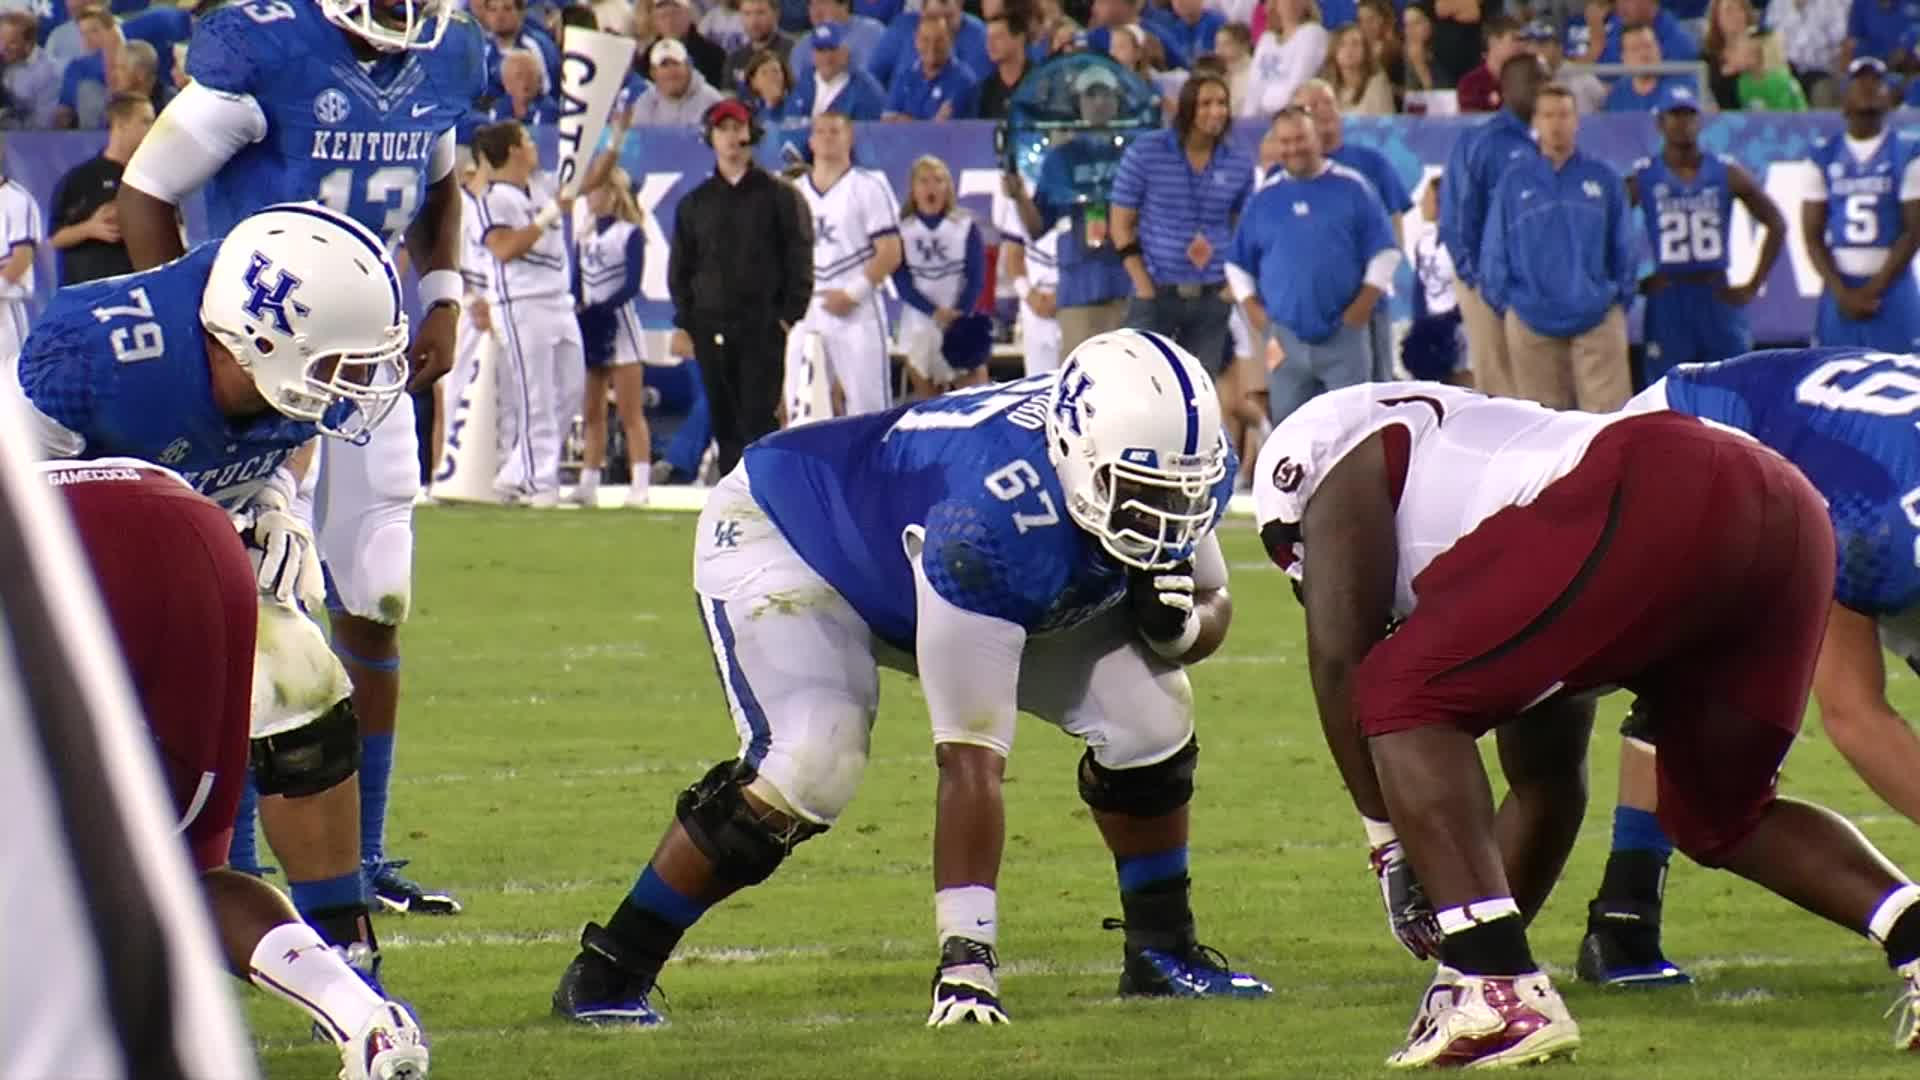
x,y
1066,403
270,300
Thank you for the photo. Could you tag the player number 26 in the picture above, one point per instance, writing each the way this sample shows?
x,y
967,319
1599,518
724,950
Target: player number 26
x,y
1017,478
142,340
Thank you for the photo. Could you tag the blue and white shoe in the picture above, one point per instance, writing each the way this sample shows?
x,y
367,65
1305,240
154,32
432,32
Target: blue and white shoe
x,y
1622,948
1193,971
401,895
600,989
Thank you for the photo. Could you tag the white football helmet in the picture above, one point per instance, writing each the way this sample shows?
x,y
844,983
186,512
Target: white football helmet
x,y
391,25
1133,428
308,301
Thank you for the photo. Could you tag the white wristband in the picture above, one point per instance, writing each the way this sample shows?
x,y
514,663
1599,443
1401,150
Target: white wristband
x,y
1379,833
548,214
1021,287
1180,646
861,288
441,287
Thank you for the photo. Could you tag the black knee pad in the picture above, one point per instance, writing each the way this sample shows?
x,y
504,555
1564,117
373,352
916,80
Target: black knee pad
x,y
744,847
309,759
1148,791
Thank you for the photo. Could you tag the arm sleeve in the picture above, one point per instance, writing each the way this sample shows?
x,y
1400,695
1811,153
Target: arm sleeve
x,y
503,207
680,255
910,294
1130,182
201,130
976,272
796,243
969,669
440,161
630,286
1816,178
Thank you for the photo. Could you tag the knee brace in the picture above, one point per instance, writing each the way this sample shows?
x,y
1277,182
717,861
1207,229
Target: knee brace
x,y
310,758
1148,791
745,847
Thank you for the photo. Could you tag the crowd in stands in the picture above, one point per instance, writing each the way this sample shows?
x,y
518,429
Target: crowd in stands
x,y
61,60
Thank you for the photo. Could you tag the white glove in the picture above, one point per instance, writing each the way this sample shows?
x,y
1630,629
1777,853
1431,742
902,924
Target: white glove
x,y
286,562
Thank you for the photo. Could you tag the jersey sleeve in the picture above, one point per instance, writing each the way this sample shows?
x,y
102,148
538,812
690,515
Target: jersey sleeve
x,y
1817,175
223,53
502,207
1910,177
975,560
22,223
57,375
878,215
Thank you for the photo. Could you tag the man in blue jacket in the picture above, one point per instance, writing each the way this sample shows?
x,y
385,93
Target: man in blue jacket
x,y
1479,159
1319,303
1558,259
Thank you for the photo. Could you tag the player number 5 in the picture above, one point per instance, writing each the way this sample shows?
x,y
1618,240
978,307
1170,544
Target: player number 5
x,y
141,341
1014,479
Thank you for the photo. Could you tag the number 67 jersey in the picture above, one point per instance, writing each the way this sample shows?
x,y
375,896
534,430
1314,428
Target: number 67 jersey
x,y
971,469
1846,418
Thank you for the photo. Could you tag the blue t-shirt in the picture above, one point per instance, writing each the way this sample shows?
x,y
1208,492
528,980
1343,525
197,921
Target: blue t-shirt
x,y
122,363
922,98
1686,220
1338,218
357,141
971,468
1846,418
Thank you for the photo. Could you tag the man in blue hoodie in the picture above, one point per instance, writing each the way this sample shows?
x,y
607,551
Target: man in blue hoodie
x,y
1480,157
1558,260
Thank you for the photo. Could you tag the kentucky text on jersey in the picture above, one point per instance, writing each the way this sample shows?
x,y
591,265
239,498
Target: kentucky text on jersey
x,y
377,146
1842,186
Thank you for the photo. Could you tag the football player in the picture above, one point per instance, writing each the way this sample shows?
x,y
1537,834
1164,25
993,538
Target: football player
x,y
1520,554
353,103
1044,545
1845,417
187,635
223,365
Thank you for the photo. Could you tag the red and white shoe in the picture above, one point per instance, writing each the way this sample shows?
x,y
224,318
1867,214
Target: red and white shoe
x,y
1484,1022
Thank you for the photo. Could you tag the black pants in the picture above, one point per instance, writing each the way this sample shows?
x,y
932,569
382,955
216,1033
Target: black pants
x,y
741,366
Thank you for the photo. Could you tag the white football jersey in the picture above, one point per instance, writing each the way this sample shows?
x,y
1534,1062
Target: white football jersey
x,y
1470,457
935,255
476,262
847,218
542,271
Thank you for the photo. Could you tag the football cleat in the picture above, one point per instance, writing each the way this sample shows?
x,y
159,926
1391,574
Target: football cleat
x,y
1192,971
389,1046
1622,948
599,989
965,988
1483,1022
364,960
1906,1010
402,895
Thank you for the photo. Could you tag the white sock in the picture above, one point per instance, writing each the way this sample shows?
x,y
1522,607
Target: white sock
x,y
970,911
1894,905
292,962
1453,920
590,479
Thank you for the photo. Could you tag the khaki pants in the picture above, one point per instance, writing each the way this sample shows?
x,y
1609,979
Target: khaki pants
x,y
1083,321
1587,371
1486,344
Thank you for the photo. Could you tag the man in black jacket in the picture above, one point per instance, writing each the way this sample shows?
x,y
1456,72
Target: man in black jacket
x,y
740,275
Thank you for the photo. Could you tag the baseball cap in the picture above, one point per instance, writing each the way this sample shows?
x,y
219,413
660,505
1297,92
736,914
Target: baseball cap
x,y
829,35
667,49
1095,75
1865,64
727,109
1676,96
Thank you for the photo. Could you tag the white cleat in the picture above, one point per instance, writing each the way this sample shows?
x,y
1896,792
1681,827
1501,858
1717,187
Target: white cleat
x,y
390,1046
1906,1010
1482,1022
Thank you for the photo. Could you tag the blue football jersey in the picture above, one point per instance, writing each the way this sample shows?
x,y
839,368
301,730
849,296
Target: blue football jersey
x,y
1686,220
970,468
354,135
1846,417
1863,197
121,363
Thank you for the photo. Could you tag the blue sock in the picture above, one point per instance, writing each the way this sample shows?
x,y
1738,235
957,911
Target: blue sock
x,y
376,777
1639,830
655,896
346,890
1141,872
244,851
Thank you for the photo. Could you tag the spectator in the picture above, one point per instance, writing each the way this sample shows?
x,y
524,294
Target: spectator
x,y
1815,34
1137,50
1375,18
1330,135
1435,345
1420,73
1480,157
673,21
1354,76
862,37
22,232
1006,47
1458,40
507,28
679,95
766,85
1049,30
86,222
1318,308
760,28
1589,93
966,40
1176,199
1479,89
1558,258
835,85
936,86
1233,47
880,11
725,24
939,279
1885,30
1604,30
1288,54
1109,16
1748,68
29,78
137,71
1640,93
1187,25
731,312
1075,184
521,76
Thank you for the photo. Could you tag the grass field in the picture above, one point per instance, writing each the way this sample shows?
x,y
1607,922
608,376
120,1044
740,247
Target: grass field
x,y
560,694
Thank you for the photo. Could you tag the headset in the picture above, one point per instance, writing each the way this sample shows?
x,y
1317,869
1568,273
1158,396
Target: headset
x,y
708,121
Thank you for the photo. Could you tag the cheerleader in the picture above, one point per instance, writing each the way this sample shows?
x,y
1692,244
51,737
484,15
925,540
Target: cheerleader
x,y
939,279
611,250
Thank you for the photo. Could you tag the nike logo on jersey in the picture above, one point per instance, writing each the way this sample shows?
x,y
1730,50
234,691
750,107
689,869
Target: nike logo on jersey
x,y
419,111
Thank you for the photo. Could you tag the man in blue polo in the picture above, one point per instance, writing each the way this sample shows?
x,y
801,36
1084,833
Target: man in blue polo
x,y
895,51
863,37
1312,258
936,85
833,84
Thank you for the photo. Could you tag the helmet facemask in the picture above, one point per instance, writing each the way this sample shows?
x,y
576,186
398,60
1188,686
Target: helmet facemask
x,y
391,25
343,392
1152,518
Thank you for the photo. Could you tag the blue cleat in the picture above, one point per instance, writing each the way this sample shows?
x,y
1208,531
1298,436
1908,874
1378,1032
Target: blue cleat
x,y
600,989
1622,948
401,895
1193,971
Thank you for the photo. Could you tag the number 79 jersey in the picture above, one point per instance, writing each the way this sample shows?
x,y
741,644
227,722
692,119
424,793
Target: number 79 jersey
x,y
971,469
357,137
1846,418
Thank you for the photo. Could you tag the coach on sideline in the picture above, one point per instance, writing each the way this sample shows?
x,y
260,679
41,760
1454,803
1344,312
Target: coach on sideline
x,y
1558,259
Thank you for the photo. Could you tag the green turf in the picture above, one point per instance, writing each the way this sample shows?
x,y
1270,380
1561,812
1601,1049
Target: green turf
x,y
559,694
